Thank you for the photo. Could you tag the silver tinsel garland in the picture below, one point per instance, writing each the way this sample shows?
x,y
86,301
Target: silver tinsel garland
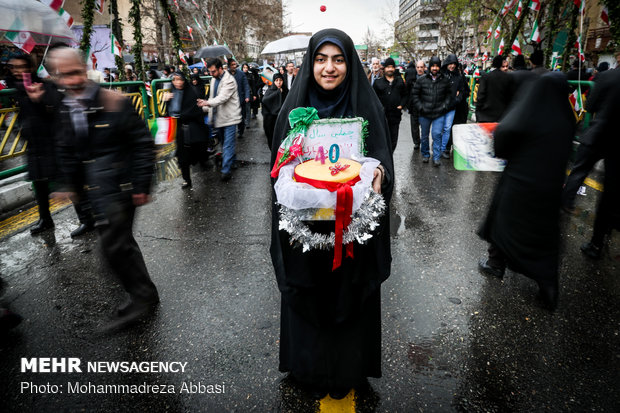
x,y
363,222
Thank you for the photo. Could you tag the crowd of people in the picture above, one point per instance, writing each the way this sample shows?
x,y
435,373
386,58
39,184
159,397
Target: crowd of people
x,y
331,325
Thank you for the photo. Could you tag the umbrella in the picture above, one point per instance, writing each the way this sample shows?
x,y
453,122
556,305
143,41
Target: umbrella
x,y
34,24
293,43
212,51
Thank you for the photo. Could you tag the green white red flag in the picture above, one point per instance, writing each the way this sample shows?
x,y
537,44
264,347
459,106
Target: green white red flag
x,y
605,15
576,100
66,17
516,47
99,6
519,9
498,31
535,5
19,37
117,48
54,4
182,56
500,50
535,36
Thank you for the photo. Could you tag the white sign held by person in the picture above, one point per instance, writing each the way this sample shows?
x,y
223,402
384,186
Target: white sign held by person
x,y
338,138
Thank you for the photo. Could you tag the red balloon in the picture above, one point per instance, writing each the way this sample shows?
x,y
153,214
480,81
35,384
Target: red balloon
x,y
323,8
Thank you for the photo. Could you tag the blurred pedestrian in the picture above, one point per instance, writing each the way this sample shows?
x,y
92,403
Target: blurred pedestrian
x,y
224,112
243,88
494,92
457,84
392,93
537,59
330,337
247,115
522,224
604,101
272,103
38,100
105,147
432,97
414,116
192,133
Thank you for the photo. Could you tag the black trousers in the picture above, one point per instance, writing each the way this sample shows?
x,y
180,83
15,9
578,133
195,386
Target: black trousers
x,y
585,159
123,254
496,257
415,126
42,192
393,124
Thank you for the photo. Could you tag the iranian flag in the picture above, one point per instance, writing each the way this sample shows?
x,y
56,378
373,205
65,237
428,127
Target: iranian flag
x,y
477,72
99,6
66,17
42,73
182,56
509,4
519,9
516,47
605,15
535,5
19,38
498,31
581,4
117,48
164,130
535,36
500,50
579,50
176,3
189,29
485,56
489,32
576,100
54,4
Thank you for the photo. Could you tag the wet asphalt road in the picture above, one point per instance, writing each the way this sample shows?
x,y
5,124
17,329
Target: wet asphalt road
x,y
453,340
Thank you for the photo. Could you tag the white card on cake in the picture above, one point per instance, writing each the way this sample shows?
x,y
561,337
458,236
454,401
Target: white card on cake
x,y
344,133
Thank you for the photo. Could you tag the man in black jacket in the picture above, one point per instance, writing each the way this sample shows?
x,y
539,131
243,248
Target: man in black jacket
x,y
457,85
105,148
392,93
410,79
494,93
432,96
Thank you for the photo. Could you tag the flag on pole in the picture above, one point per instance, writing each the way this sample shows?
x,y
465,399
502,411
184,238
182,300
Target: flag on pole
x,y
498,30
605,15
519,9
19,38
117,49
581,4
195,4
576,100
516,47
66,17
500,50
182,56
99,6
579,50
42,73
509,4
54,4
535,36
485,56
189,29
176,3
477,72
535,5
554,60
490,31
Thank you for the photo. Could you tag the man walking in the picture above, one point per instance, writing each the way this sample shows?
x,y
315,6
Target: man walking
x,y
432,95
105,148
243,88
290,75
224,112
392,93
375,71
420,70
494,93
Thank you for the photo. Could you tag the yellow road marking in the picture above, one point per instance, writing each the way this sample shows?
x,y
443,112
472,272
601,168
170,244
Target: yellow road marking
x,y
25,218
346,405
590,182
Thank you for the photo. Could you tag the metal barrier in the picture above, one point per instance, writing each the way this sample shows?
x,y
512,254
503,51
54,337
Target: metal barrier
x,y
11,144
158,105
139,100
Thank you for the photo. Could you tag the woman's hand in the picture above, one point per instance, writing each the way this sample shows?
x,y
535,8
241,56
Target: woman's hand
x,y
377,180
168,96
202,102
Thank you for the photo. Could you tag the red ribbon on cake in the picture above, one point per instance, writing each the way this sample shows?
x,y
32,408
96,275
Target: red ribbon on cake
x,y
344,210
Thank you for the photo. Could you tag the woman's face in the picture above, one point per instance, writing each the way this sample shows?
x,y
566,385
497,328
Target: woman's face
x,y
19,67
278,82
330,67
194,82
178,82
245,68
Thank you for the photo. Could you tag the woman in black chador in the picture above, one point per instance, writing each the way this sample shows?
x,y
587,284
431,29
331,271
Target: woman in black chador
x,y
330,337
272,103
522,225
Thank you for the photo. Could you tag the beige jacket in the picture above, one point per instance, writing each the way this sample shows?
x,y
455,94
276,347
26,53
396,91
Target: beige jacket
x,y
228,110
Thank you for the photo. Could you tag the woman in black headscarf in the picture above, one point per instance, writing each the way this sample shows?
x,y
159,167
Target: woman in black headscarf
x,y
331,321
272,103
198,85
522,225
191,130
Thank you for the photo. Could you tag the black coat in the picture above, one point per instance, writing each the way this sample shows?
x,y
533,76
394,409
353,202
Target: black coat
x,y
37,127
391,95
331,324
432,98
535,138
114,161
494,96
457,84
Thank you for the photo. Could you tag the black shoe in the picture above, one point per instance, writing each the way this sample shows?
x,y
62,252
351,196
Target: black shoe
x,y
186,185
485,268
436,162
82,229
549,295
226,177
339,393
8,319
425,160
592,251
445,154
41,225
416,146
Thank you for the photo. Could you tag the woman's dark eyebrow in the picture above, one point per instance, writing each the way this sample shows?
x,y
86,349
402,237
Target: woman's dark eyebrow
x,y
335,55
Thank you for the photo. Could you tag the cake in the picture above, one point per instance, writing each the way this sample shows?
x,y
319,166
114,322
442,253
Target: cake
x,y
313,171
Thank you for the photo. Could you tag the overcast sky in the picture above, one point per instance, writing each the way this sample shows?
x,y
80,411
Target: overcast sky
x,y
350,16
